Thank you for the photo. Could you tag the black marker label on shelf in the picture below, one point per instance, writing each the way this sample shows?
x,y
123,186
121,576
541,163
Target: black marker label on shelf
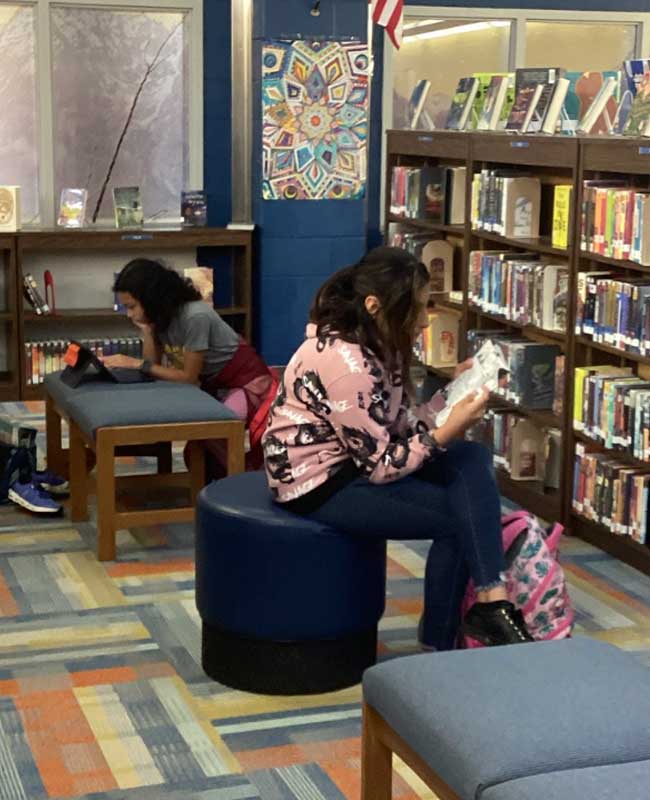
x,y
520,144
425,138
644,151
136,237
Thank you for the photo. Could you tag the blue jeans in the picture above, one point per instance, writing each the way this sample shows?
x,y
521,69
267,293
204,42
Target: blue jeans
x,y
453,500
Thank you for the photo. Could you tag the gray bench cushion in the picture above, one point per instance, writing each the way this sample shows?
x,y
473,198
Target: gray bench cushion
x,y
486,716
105,405
63,394
616,782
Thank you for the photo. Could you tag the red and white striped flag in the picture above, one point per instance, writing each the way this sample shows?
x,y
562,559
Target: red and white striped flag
x,y
389,14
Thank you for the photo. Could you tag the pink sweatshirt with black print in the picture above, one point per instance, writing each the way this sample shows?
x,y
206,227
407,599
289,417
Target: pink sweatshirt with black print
x,y
337,402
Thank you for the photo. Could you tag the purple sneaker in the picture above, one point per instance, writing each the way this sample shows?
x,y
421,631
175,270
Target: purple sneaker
x,y
33,498
51,483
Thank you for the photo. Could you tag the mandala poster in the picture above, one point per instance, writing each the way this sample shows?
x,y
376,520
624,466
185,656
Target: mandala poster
x,y
315,120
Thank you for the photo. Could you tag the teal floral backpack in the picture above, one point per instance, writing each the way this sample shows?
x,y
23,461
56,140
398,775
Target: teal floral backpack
x,y
535,580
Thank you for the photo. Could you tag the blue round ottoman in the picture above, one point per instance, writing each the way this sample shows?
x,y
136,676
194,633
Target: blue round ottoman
x,y
288,606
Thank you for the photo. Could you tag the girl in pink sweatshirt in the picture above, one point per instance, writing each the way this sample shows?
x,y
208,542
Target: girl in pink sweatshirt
x,y
346,446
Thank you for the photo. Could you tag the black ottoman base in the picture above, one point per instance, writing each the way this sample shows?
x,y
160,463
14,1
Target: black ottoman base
x,y
286,668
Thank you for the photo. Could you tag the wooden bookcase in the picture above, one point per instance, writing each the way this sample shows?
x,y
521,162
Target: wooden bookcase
x,y
565,160
9,325
233,247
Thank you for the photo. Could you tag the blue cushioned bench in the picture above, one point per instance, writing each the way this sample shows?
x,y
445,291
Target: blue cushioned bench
x,y
562,720
288,606
112,419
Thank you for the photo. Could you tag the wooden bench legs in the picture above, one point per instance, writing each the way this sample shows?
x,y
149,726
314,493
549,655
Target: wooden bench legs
x,y
110,442
379,742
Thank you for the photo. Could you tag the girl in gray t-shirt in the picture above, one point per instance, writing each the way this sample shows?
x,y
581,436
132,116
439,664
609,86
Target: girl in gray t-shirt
x,y
185,340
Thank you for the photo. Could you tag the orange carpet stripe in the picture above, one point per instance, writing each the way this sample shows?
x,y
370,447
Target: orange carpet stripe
x,y
8,606
287,755
408,605
96,677
345,776
125,569
9,688
395,570
53,721
604,586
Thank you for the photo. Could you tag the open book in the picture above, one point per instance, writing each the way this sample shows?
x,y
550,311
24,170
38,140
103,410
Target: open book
x,y
488,367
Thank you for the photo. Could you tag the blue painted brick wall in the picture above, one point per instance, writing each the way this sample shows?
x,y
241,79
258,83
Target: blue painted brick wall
x,y
299,244
216,110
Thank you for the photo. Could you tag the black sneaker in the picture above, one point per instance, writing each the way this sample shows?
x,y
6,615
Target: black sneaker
x,y
496,623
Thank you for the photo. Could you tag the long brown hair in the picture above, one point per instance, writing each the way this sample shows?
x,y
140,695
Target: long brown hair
x,y
395,278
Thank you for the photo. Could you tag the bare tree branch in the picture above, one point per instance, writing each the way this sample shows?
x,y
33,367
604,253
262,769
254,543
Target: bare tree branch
x,y
150,68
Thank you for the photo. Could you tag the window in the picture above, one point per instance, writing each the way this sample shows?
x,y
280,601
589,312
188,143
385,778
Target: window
x,y
18,120
442,44
431,46
580,46
119,91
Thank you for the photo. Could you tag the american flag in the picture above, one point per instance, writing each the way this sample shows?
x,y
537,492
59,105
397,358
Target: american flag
x,y
389,13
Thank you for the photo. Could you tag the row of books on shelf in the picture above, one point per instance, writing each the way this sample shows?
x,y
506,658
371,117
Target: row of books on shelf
x,y
436,194
127,208
612,406
519,287
44,357
614,310
437,254
611,493
549,100
506,203
615,221
524,450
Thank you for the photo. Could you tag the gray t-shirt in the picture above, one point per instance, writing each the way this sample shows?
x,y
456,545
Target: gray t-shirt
x,y
198,328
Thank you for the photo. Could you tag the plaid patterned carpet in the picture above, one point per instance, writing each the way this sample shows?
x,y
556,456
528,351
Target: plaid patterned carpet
x,y
102,693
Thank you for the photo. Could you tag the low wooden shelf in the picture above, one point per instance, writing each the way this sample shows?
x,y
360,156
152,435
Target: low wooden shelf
x,y
236,244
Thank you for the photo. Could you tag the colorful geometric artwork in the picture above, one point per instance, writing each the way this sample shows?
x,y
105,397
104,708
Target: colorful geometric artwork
x,y
315,120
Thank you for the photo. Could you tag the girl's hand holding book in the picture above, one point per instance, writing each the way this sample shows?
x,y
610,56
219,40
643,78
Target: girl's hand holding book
x,y
462,416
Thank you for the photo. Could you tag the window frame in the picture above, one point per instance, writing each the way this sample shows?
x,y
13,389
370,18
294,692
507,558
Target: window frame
x,y
44,101
517,50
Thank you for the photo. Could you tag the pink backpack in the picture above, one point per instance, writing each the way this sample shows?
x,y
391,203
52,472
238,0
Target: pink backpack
x,y
535,580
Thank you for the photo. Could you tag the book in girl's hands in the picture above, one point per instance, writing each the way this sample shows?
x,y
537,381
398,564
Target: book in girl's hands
x,y
488,367
194,208
72,209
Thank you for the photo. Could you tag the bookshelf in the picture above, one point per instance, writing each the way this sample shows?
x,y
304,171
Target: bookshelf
x,y
228,252
10,362
554,160
629,160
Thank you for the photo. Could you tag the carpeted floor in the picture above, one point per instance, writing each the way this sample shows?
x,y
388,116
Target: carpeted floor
x,y
102,694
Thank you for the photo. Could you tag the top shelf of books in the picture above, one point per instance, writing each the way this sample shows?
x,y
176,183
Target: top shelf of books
x,y
101,238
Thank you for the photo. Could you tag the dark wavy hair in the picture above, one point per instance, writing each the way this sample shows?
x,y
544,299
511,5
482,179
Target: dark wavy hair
x,y
395,278
160,290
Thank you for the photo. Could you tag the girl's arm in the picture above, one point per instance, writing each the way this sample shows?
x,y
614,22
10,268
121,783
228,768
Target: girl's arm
x,y
359,417
191,372
151,348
